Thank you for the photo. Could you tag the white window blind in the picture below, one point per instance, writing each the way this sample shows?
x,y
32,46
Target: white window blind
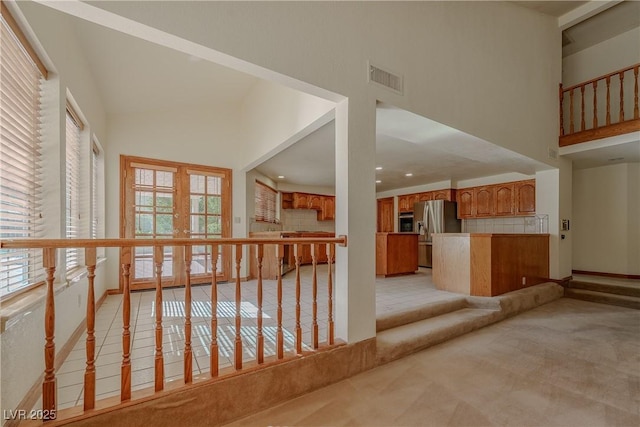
x,y
20,160
73,191
265,202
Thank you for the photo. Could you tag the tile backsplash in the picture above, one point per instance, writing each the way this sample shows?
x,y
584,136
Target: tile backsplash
x,y
509,225
304,220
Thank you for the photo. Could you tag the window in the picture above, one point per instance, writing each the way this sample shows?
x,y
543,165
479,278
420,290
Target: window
x,y
72,187
20,156
265,203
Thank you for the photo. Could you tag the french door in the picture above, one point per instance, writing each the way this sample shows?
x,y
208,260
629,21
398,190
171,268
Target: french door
x,y
175,200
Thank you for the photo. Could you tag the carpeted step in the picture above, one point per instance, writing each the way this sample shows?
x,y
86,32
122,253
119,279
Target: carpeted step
x,y
425,311
403,340
632,291
603,298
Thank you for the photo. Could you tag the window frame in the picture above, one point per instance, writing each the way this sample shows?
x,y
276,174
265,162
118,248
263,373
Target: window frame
x,y
265,203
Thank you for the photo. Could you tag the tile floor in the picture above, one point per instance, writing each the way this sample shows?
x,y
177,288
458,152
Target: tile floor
x,y
391,294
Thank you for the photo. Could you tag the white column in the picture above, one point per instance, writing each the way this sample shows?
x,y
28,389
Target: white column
x,y
356,218
553,197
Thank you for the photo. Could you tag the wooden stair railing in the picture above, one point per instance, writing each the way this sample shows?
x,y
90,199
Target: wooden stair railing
x,y
592,129
50,246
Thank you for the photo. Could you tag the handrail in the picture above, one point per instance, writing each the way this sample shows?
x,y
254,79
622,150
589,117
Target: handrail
x,y
604,114
116,243
588,82
321,250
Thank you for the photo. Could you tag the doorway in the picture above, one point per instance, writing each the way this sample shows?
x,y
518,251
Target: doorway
x,y
164,200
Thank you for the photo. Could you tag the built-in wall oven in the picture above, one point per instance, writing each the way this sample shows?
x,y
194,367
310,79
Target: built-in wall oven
x,y
405,222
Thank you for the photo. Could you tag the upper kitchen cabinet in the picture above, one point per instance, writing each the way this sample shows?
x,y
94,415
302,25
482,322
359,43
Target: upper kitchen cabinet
x,y
484,200
406,201
507,199
385,215
316,201
525,197
465,203
325,205
300,201
425,197
443,194
504,203
328,209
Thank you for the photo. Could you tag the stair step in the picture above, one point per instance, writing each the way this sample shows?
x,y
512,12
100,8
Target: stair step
x,y
425,311
632,291
603,297
401,341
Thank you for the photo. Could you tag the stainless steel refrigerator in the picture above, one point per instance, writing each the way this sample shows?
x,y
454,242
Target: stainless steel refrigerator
x,y
434,216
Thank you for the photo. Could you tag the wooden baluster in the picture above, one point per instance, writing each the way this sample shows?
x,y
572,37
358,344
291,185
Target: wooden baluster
x,y
621,74
188,354
331,252
582,123
561,94
90,371
279,333
314,290
158,259
636,112
595,104
298,256
571,127
125,369
49,404
213,349
238,341
260,338
608,117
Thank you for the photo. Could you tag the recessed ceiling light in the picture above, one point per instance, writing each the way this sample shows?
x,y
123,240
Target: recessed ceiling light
x,y
378,181
378,168
408,174
280,176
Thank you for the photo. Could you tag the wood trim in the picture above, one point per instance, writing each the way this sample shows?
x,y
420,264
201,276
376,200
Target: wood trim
x,y
588,82
75,116
6,14
32,396
603,274
628,126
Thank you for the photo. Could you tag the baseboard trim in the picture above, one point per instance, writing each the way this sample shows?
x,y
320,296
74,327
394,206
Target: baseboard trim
x,y
34,392
612,275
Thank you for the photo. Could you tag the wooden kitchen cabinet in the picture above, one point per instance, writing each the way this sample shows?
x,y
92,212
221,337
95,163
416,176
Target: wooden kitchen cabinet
x,y
325,205
484,203
425,197
328,210
385,215
504,202
507,199
525,197
300,201
405,202
442,194
465,203
316,201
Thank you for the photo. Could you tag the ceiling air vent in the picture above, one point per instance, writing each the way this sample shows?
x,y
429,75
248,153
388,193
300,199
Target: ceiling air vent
x,y
385,78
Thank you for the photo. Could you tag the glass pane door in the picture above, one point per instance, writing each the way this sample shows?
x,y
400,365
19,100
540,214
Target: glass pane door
x,y
205,222
154,213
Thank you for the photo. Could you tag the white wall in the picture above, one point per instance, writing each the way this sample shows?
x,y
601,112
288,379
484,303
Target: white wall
x,y
606,223
23,339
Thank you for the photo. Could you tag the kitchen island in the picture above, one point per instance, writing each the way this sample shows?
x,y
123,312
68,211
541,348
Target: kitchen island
x,y
396,253
489,264
270,265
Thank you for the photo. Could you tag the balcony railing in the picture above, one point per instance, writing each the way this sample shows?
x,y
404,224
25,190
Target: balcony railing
x,y
599,108
301,348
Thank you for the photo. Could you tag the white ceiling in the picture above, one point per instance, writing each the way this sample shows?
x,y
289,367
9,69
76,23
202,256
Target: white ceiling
x,y
135,76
